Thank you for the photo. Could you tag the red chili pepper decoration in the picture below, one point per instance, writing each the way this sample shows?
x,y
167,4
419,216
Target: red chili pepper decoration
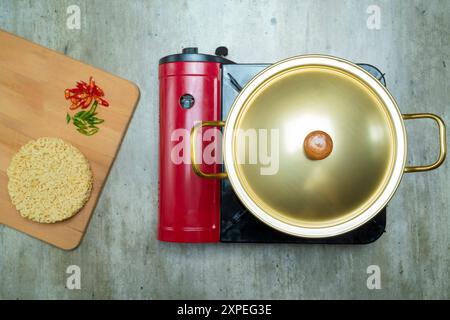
x,y
84,93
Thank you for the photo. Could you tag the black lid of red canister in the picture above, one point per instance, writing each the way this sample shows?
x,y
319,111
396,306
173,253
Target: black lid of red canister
x,y
190,54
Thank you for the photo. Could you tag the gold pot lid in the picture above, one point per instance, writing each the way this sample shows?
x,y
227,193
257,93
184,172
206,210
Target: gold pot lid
x,y
312,143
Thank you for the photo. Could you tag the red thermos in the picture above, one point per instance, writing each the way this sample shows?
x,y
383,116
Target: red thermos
x,y
189,91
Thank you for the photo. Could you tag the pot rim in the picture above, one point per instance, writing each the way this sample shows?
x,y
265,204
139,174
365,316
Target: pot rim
x,y
400,145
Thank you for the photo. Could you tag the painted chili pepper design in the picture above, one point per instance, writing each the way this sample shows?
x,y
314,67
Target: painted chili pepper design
x,y
83,96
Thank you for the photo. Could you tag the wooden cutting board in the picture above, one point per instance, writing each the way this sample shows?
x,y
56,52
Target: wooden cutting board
x,y
32,105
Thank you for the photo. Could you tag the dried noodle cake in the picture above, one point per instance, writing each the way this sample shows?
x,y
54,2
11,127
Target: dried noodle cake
x,y
49,180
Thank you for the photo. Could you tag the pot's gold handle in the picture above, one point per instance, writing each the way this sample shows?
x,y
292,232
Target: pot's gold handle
x,y
195,166
442,141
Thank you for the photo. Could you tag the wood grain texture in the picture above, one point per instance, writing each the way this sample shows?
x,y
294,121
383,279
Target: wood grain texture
x,y
32,84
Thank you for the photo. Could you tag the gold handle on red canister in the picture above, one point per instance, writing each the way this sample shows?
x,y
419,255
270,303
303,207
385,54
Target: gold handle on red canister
x,y
195,165
442,141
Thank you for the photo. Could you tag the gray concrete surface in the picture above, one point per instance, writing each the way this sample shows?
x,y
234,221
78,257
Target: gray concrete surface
x,y
120,257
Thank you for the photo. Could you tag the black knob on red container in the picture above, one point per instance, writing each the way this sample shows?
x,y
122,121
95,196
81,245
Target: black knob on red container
x,y
190,50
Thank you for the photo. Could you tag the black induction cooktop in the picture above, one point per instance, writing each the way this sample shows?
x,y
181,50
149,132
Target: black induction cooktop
x,y
237,223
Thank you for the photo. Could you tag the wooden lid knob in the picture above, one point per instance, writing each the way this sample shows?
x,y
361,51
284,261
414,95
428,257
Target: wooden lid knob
x,y
318,145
